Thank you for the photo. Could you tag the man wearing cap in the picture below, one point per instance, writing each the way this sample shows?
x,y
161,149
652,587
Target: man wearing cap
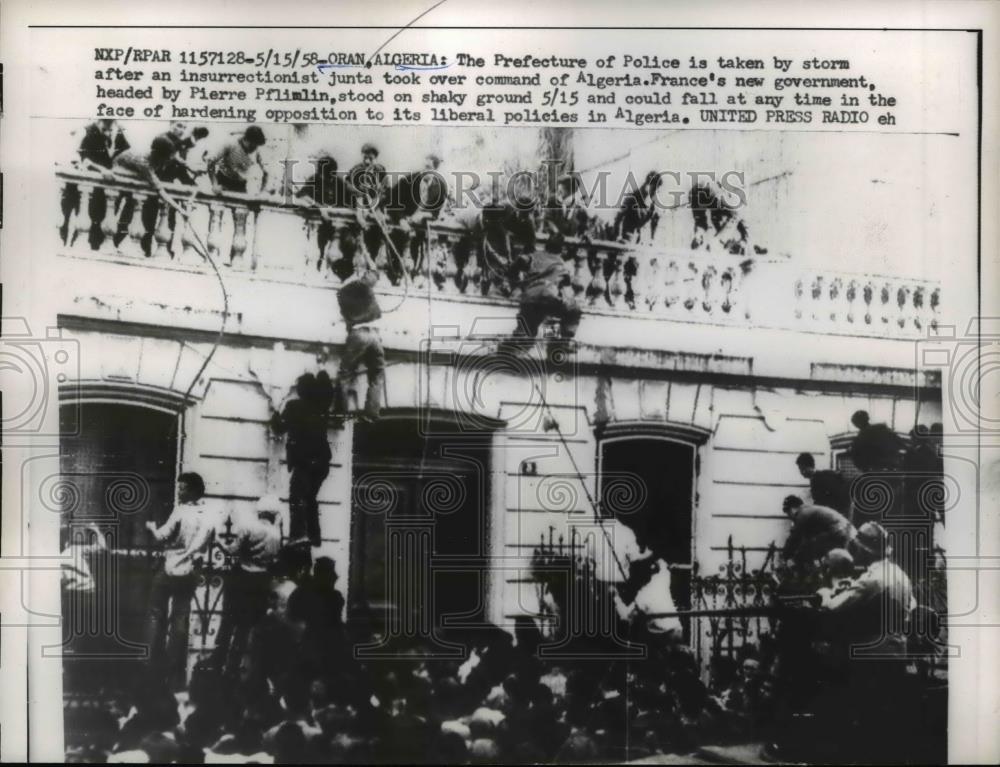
x,y
881,597
252,544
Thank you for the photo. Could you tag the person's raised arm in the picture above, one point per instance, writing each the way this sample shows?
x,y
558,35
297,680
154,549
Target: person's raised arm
x,y
167,530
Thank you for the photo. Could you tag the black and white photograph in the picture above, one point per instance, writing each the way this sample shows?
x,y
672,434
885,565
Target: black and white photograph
x,y
557,397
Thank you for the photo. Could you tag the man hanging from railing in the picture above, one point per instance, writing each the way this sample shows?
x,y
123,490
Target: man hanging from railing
x,y
362,348
184,139
151,167
188,534
329,190
412,202
307,449
545,293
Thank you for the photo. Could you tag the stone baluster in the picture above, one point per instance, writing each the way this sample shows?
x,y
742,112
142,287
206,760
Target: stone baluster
x,y
903,305
868,296
672,283
136,226
885,303
635,292
310,229
616,284
919,307
815,307
472,274
652,282
709,284
188,252
727,284
800,292
691,287
109,226
256,253
162,232
833,294
419,270
851,295
449,266
214,230
80,225
239,246
598,285
381,259
935,303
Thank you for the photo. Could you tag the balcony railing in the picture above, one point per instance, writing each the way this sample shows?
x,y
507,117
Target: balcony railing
x,y
295,242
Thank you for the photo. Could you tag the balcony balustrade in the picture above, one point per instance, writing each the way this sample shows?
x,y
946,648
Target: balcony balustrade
x,y
277,240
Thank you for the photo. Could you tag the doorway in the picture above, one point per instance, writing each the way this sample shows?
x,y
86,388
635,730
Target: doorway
x,y
419,526
663,520
117,471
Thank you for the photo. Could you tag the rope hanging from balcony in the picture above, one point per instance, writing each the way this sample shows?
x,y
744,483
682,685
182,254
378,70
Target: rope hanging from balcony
x,y
202,249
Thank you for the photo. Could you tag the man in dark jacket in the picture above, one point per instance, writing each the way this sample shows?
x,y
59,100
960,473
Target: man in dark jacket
x,y
828,488
328,188
545,293
102,142
816,530
304,419
876,447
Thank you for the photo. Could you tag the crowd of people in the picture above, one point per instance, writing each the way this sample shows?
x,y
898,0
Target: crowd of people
x,y
392,208
288,680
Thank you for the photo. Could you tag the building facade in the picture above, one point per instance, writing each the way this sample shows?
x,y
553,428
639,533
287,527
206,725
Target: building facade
x,y
698,377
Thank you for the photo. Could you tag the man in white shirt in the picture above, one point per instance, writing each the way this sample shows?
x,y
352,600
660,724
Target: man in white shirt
x,y
253,548
188,534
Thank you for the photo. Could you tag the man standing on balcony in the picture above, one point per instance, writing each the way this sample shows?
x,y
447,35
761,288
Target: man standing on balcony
x,y
188,534
366,182
564,212
414,200
229,170
102,142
